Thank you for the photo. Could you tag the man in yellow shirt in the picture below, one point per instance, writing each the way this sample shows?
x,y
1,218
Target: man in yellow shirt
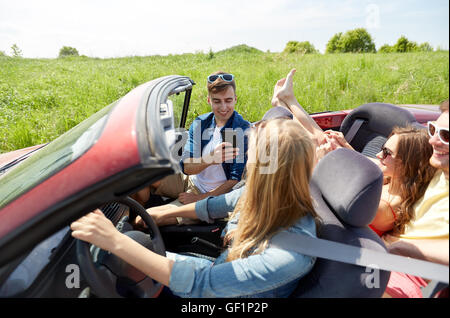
x,y
431,212
427,236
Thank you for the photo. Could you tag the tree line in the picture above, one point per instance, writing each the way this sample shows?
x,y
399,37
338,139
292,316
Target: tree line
x,y
63,52
352,41
357,41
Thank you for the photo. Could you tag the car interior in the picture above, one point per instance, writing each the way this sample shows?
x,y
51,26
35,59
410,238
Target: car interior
x,y
346,226
345,216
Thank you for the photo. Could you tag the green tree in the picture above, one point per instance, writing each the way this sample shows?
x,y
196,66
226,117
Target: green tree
x,y
16,51
425,47
386,48
68,51
210,54
352,41
333,45
401,45
300,47
404,45
357,41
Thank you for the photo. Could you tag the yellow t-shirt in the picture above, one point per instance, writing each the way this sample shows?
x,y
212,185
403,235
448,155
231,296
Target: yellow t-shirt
x,y
431,212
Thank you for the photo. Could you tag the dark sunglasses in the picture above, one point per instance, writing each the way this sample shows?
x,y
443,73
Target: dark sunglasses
x,y
225,77
442,132
386,152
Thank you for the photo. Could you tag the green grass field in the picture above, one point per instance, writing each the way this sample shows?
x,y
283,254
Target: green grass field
x,y
42,98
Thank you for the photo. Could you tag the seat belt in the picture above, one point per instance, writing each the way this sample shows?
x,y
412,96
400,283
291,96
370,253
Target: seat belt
x,y
360,256
351,133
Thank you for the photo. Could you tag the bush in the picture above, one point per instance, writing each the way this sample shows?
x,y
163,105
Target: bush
x,y
68,51
425,47
353,41
210,54
403,45
386,49
357,41
16,51
333,45
300,47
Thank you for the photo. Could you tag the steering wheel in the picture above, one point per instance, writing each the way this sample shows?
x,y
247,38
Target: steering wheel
x,y
111,277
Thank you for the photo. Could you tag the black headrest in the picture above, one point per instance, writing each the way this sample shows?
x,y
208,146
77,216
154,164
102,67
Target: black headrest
x,y
351,185
380,118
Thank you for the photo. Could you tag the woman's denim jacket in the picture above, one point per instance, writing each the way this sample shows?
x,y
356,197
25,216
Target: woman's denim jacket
x,y
201,132
273,273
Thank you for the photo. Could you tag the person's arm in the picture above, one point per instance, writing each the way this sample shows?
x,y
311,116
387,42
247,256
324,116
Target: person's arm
x,y
168,216
222,189
192,277
218,207
206,210
284,94
221,153
96,229
187,197
433,250
306,121
384,219
339,138
191,167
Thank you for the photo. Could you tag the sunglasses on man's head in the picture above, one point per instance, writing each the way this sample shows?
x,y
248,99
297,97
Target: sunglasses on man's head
x,y
225,77
386,152
442,132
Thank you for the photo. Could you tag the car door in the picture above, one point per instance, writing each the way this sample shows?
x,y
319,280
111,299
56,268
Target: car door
x,y
112,154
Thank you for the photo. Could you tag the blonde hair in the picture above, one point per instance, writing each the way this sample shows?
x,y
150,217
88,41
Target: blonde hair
x,y
274,201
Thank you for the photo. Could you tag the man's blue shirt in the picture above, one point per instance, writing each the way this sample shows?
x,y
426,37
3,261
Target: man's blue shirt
x,y
201,132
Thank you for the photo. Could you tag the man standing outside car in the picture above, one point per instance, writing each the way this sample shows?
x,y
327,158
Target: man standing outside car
x,y
211,165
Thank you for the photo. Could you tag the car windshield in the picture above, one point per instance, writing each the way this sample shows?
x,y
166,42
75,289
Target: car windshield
x,y
53,157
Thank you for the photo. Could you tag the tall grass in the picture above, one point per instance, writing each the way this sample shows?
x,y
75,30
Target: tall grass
x,y
42,98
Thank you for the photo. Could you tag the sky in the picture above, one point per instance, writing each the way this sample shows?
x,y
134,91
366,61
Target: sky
x,y
116,28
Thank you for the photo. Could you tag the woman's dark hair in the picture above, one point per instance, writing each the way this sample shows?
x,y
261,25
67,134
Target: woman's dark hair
x,y
414,171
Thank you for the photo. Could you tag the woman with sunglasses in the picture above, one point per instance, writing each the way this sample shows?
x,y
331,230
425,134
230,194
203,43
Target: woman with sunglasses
x,y
426,236
404,160
250,266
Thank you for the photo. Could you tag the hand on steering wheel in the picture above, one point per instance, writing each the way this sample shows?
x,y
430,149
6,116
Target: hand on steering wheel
x,y
110,276
95,229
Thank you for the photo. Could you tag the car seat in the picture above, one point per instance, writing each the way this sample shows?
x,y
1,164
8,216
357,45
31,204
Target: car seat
x,y
346,187
368,126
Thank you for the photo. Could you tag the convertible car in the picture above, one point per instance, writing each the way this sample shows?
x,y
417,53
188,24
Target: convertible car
x,y
136,141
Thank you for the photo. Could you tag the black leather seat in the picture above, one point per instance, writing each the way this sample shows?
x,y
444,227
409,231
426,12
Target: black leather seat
x,y
346,187
377,121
